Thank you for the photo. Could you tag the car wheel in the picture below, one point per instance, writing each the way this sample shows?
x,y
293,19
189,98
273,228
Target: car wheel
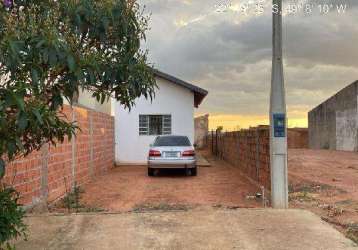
x,y
194,171
150,172
188,171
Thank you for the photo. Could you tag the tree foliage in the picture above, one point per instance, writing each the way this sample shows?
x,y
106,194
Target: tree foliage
x,y
51,49
11,214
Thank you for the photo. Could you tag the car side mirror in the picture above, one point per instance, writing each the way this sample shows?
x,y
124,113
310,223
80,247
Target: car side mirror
x,y
195,145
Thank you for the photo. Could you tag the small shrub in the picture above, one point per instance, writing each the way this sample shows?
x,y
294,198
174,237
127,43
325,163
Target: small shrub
x,y
12,226
72,199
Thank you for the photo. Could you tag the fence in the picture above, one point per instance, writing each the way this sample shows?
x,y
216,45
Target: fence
x,y
46,175
245,149
249,149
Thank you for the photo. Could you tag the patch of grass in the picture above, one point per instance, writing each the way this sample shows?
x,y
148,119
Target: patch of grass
x,y
91,210
72,201
302,196
303,192
302,188
352,232
352,205
348,202
307,189
315,188
160,207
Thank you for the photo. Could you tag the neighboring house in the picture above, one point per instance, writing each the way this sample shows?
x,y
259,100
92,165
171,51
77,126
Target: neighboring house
x,y
201,124
334,123
170,112
86,100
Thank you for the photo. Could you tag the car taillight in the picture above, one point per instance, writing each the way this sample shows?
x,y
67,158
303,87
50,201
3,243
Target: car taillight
x,y
188,153
154,153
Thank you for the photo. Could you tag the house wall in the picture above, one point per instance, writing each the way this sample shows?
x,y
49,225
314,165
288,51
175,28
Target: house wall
x,y
86,100
333,124
169,99
47,174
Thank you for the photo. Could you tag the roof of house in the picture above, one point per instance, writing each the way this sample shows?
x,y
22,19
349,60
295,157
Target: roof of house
x,y
199,93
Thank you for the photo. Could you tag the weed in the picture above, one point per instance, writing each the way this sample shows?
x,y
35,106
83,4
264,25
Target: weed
x,y
91,209
72,199
160,207
301,196
352,233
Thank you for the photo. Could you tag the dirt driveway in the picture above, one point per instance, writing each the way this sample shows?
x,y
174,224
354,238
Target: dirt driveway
x,y
173,211
127,188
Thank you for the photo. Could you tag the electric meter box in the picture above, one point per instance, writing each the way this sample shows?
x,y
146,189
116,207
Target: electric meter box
x,y
279,122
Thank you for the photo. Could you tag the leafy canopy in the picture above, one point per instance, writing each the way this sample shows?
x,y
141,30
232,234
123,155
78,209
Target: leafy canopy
x,y
11,217
51,49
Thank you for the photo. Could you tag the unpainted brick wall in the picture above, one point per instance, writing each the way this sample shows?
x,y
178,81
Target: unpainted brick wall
x,y
49,173
249,149
245,149
297,138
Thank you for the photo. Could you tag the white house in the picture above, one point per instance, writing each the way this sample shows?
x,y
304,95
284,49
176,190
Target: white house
x,y
170,112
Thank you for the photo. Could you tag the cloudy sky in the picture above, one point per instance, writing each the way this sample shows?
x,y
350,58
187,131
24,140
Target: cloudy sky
x,y
225,47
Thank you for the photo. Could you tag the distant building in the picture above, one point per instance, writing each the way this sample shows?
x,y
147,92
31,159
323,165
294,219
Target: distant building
x,y
85,99
201,124
334,123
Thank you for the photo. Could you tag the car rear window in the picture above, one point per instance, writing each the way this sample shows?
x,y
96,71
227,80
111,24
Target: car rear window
x,y
164,141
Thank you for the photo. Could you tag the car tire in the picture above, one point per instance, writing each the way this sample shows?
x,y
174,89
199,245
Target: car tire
x,y
194,171
188,172
150,172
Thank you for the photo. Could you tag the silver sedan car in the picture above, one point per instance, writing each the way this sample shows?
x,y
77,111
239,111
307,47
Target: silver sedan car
x,y
172,151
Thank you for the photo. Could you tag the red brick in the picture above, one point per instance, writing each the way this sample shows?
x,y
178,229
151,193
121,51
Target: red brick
x,y
27,171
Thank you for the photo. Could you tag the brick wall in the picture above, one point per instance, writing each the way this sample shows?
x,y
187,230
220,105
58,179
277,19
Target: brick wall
x,y
297,138
46,175
249,149
246,149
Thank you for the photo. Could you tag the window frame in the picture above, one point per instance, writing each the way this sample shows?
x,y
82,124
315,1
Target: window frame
x,y
144,128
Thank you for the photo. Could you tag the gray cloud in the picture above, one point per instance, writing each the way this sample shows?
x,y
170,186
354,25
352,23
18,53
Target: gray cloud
x,y
230,54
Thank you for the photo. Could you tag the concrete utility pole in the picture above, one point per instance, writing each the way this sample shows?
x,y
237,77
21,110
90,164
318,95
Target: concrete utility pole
x,y
278,119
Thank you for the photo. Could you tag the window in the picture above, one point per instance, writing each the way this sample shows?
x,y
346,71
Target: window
x,y
155,124
175,141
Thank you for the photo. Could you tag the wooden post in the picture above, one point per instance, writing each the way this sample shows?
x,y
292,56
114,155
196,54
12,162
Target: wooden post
x,y
212,141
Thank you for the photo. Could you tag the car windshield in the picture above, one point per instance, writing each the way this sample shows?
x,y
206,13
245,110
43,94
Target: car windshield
x,y
164,141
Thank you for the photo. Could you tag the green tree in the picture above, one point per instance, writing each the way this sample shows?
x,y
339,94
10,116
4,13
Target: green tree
x,y
11,218
51,49
219,128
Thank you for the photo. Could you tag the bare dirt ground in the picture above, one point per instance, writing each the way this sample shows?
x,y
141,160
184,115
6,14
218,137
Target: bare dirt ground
x,y
326,183
128,188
